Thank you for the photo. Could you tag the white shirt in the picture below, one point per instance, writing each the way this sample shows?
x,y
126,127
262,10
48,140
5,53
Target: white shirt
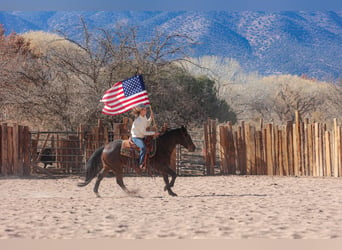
x,y
139,127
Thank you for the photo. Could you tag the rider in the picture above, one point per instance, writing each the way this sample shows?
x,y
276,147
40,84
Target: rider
x,y
138,130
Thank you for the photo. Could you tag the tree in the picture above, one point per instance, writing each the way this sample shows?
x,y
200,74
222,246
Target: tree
x,y
13,52
59,83
272,98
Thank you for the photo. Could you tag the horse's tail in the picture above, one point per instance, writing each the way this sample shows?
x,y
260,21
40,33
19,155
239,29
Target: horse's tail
x,y
92,167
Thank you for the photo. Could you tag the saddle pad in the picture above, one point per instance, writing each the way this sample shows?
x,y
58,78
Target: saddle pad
x,y
133,151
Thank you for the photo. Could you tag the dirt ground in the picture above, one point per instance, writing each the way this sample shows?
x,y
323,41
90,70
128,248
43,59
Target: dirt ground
x,y
217,207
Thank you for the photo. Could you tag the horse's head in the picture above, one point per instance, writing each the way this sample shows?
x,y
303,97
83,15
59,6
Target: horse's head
x,y
186,140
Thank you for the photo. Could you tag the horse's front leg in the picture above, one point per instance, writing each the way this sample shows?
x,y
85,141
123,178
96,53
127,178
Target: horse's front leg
x,y
119,181
168,184
173,177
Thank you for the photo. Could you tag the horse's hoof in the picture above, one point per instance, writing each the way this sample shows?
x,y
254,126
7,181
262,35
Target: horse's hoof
x,y
98,195
172,193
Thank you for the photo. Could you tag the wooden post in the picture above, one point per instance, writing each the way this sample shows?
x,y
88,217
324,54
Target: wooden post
x,y
340,151
258,152
269,149
223,149
317,150
264,148
58,151
252,150
236,153
280,153
213,145
100,132
335,149
248,149
310,146
285,152
297,145
276,150
210,145
206,148
327,171
10,151
4,149
321,157
290,147
0,148
302,165
242,150
16,168
210,148
306,148
231,150
117,134
21,150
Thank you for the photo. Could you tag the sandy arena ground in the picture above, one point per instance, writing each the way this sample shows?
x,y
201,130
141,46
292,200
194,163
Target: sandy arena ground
x,y
219,207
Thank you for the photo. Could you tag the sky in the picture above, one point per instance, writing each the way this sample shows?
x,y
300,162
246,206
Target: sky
x,y
169,5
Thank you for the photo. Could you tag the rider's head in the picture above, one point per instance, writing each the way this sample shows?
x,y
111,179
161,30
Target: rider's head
x,y
141,109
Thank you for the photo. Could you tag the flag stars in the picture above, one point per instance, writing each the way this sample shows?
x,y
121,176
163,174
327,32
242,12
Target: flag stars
x,y
133,86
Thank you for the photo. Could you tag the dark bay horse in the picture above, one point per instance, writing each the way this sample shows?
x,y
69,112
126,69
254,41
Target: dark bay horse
x,y
112,159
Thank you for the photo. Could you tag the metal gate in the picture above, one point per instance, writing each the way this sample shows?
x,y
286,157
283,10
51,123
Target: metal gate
x,y
191,163
57,152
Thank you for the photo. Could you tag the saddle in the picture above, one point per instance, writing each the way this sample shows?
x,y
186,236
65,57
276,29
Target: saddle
x,y
129,149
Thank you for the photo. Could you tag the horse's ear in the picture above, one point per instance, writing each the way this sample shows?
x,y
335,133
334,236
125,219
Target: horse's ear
x,y
184,129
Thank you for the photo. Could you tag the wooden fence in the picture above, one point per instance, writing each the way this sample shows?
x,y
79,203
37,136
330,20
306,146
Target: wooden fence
x,y
299,148
295,149
14,150
73,149
21,149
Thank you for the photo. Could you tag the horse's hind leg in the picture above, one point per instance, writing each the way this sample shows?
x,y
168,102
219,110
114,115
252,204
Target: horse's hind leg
x,y
100,176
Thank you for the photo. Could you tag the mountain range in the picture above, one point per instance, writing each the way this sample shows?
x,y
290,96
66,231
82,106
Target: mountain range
x,y
285,42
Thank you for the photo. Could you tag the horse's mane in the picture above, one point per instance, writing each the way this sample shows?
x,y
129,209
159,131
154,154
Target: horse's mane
x,y
169,131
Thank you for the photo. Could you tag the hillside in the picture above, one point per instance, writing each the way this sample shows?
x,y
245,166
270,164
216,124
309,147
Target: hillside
x,y
293,42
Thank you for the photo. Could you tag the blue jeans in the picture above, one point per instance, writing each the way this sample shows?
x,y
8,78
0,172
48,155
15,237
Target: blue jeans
x,y
141,144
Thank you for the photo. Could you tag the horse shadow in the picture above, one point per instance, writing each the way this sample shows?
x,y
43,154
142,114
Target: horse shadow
x,y
216,195
223,195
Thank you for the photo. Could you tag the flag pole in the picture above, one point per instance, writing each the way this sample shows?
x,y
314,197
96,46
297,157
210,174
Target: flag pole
x,y
154,119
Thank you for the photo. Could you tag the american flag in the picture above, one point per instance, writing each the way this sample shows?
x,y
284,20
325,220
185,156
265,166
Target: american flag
x,y
124,96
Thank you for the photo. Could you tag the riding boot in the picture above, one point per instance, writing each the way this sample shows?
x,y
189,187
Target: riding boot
x,y
142,166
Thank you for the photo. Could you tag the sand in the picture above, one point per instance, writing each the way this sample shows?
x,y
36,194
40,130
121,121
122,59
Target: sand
x,y
217,207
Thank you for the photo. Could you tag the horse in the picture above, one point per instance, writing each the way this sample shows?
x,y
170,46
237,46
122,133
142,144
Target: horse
x,y
113,161
48,157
